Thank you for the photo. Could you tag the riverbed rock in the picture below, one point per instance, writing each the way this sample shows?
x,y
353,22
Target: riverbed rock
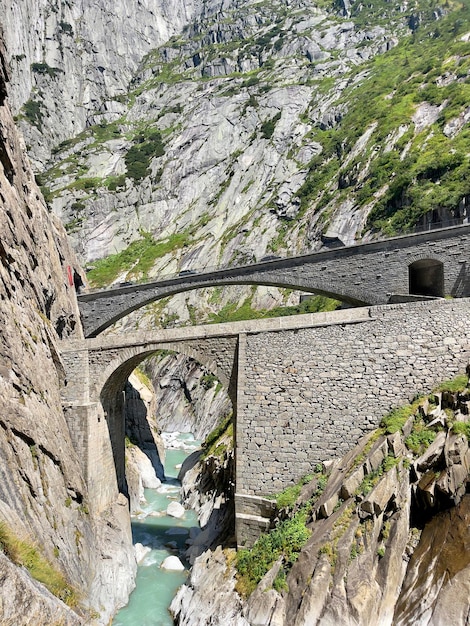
x,y
172,563
141,552
175,509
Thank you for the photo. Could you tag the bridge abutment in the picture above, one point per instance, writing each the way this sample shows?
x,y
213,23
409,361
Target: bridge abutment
x,y
88,428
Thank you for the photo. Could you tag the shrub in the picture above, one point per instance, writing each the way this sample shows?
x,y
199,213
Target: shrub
x,y
420,438
32,112
208,380
139,155
461,428
267,127
44,68
116,182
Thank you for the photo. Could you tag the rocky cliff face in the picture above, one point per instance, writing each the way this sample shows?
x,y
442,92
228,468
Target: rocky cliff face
x,y
43,497
188,398
388,529
70,61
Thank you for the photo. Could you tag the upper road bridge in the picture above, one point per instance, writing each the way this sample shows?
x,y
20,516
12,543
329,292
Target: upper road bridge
x,y
433,263
304,388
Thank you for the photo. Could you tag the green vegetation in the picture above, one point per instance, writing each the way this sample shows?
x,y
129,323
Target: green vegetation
x,y
213,446
285,541
413,170
267,127
44,68
33,113
26,554
421,435
208,380
86,183
396,419
288,496
330,548
420,438
114,183
315,304
371,479
461,428
139,156
136,260
144,379
459,383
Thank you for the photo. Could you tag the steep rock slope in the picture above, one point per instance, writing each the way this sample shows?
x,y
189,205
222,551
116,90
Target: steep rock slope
x,y
43,497
270,128
188,398
70,60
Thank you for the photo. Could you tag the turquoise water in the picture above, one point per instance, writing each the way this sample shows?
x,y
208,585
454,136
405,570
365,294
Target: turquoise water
x,y
155,587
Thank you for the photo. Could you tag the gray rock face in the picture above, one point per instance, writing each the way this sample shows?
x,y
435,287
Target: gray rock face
x,y
25,601
236,147
43,496
74,59
187,398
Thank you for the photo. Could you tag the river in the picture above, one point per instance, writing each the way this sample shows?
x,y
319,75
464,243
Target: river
x,y
156,587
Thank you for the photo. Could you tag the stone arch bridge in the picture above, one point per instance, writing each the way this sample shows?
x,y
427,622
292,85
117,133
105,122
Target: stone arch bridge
x,y
434,263
304,388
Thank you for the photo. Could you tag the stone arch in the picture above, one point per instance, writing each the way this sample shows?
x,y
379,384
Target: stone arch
x,y
426,277
124,362
108,384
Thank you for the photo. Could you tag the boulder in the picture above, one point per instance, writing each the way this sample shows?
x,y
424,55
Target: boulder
x,y
141,552
172,563
175,509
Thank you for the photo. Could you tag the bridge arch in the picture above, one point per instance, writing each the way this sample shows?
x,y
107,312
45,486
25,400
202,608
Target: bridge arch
x,y
107,388
426,277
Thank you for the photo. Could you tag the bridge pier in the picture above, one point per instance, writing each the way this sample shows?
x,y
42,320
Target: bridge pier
x,y
89,431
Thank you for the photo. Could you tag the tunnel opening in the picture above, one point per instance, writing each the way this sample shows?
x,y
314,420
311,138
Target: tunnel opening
x,y
426,278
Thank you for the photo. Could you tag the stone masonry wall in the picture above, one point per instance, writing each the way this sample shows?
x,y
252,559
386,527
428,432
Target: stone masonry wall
x,y
306,395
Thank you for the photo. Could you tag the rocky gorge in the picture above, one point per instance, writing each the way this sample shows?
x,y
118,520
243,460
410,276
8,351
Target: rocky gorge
x,y
183,135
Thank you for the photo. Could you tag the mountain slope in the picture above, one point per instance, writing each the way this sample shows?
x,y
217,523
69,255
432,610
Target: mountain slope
x,y
262,128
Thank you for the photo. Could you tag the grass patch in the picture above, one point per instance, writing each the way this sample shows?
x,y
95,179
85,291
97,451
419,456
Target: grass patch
x,y
459,383
285,541
26,554
461,428
288,496
137,259
212,444
396,419
420,438
315,304
372,479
